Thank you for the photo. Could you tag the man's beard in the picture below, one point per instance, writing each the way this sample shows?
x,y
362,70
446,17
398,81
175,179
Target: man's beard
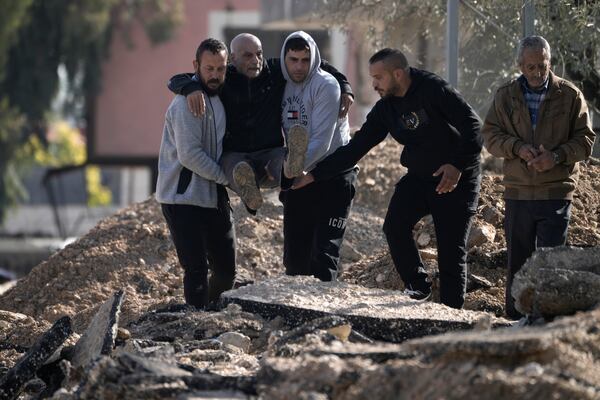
x,y
391,91
210,91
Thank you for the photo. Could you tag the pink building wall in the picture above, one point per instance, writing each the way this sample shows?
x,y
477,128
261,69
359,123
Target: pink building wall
x,y
129,112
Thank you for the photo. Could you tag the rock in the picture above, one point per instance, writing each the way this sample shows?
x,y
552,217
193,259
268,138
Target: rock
x,y
423,239
475,282
558,281
491,215
99,337
235,339
481,233
123,334
380,314
349,253
428,254
12,382
324,323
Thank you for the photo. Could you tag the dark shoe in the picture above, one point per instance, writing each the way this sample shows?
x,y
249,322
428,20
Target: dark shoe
x,y
297,143
245,181
419,294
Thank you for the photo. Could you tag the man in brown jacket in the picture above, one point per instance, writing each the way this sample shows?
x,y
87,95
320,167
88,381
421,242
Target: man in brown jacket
x,y
539,124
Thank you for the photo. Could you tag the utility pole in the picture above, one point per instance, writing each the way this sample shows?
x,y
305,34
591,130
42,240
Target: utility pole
x,y
452,44
528,18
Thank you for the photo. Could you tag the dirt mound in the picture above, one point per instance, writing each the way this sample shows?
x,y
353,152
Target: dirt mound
x,y
133,250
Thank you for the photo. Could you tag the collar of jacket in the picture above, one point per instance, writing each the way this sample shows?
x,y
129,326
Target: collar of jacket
x,y
554,89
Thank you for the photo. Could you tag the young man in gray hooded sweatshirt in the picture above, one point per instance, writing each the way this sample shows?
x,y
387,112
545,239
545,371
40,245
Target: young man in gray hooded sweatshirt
x,y
314,217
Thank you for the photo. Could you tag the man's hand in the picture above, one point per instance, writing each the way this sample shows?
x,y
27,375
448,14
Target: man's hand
x,y
527,152
345,104
450,176
302,181
544,161
196,103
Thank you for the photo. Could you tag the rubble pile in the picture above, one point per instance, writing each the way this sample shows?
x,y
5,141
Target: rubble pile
x,y
112,304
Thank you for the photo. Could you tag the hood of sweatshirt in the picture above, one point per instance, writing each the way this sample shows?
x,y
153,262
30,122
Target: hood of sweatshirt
x,y
315,57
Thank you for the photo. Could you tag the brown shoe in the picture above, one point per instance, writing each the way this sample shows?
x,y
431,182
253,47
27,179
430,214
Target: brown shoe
x,y
297,143
245,182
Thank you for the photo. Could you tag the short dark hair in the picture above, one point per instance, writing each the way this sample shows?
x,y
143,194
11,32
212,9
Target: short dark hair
x,y
296,44
213,45
393,58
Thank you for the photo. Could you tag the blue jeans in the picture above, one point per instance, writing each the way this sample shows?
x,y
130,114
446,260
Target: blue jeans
x,y
530,224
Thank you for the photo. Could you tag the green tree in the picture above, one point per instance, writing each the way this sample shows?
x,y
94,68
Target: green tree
x,y
489,33
38,36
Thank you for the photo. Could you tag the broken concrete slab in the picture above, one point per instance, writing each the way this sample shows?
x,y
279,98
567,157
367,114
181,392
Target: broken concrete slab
x,y
556,360
100,335
130,376
196,325
558,281
214,395
12,382
380,314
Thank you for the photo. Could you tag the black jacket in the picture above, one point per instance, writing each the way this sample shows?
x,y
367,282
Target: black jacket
x,y
252,106
432,121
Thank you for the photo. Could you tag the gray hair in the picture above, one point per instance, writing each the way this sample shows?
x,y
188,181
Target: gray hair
x,y
535,43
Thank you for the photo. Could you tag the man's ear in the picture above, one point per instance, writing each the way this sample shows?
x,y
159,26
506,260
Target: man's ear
x,y
196,65
398,74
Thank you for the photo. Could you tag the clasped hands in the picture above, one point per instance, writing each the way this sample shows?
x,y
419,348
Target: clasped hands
x,y
539,159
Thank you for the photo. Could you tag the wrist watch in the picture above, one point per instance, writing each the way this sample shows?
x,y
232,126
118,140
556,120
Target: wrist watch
x,y
555,157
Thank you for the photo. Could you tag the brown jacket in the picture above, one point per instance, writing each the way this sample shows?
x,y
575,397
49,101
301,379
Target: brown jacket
x,y
563,126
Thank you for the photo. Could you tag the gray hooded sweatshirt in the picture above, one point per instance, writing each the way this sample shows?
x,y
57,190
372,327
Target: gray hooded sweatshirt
x,y
195,144
314,103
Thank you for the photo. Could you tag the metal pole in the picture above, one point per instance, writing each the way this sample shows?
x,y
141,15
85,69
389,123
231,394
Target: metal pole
x,y
452,44
528,18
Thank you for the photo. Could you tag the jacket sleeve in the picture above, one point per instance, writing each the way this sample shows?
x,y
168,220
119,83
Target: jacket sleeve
x,y
323,122
188,133
372,132
495,135
458,113
581,135
341,78
183,84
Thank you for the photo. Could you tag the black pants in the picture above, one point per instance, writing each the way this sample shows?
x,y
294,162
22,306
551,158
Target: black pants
x,y
204,238
314,223
452,212
530,224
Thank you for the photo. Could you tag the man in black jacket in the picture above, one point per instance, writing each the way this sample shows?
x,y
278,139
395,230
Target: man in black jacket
x,y
253,152
442,143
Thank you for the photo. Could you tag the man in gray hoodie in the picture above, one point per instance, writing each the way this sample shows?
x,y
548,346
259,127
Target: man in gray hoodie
x,y
191,184
314,217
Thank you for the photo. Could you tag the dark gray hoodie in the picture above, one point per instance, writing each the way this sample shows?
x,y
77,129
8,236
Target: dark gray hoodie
x,y
314,103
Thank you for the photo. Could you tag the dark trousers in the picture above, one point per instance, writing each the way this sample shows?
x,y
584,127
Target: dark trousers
x,y
452,212
204,238
530,224
314,223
